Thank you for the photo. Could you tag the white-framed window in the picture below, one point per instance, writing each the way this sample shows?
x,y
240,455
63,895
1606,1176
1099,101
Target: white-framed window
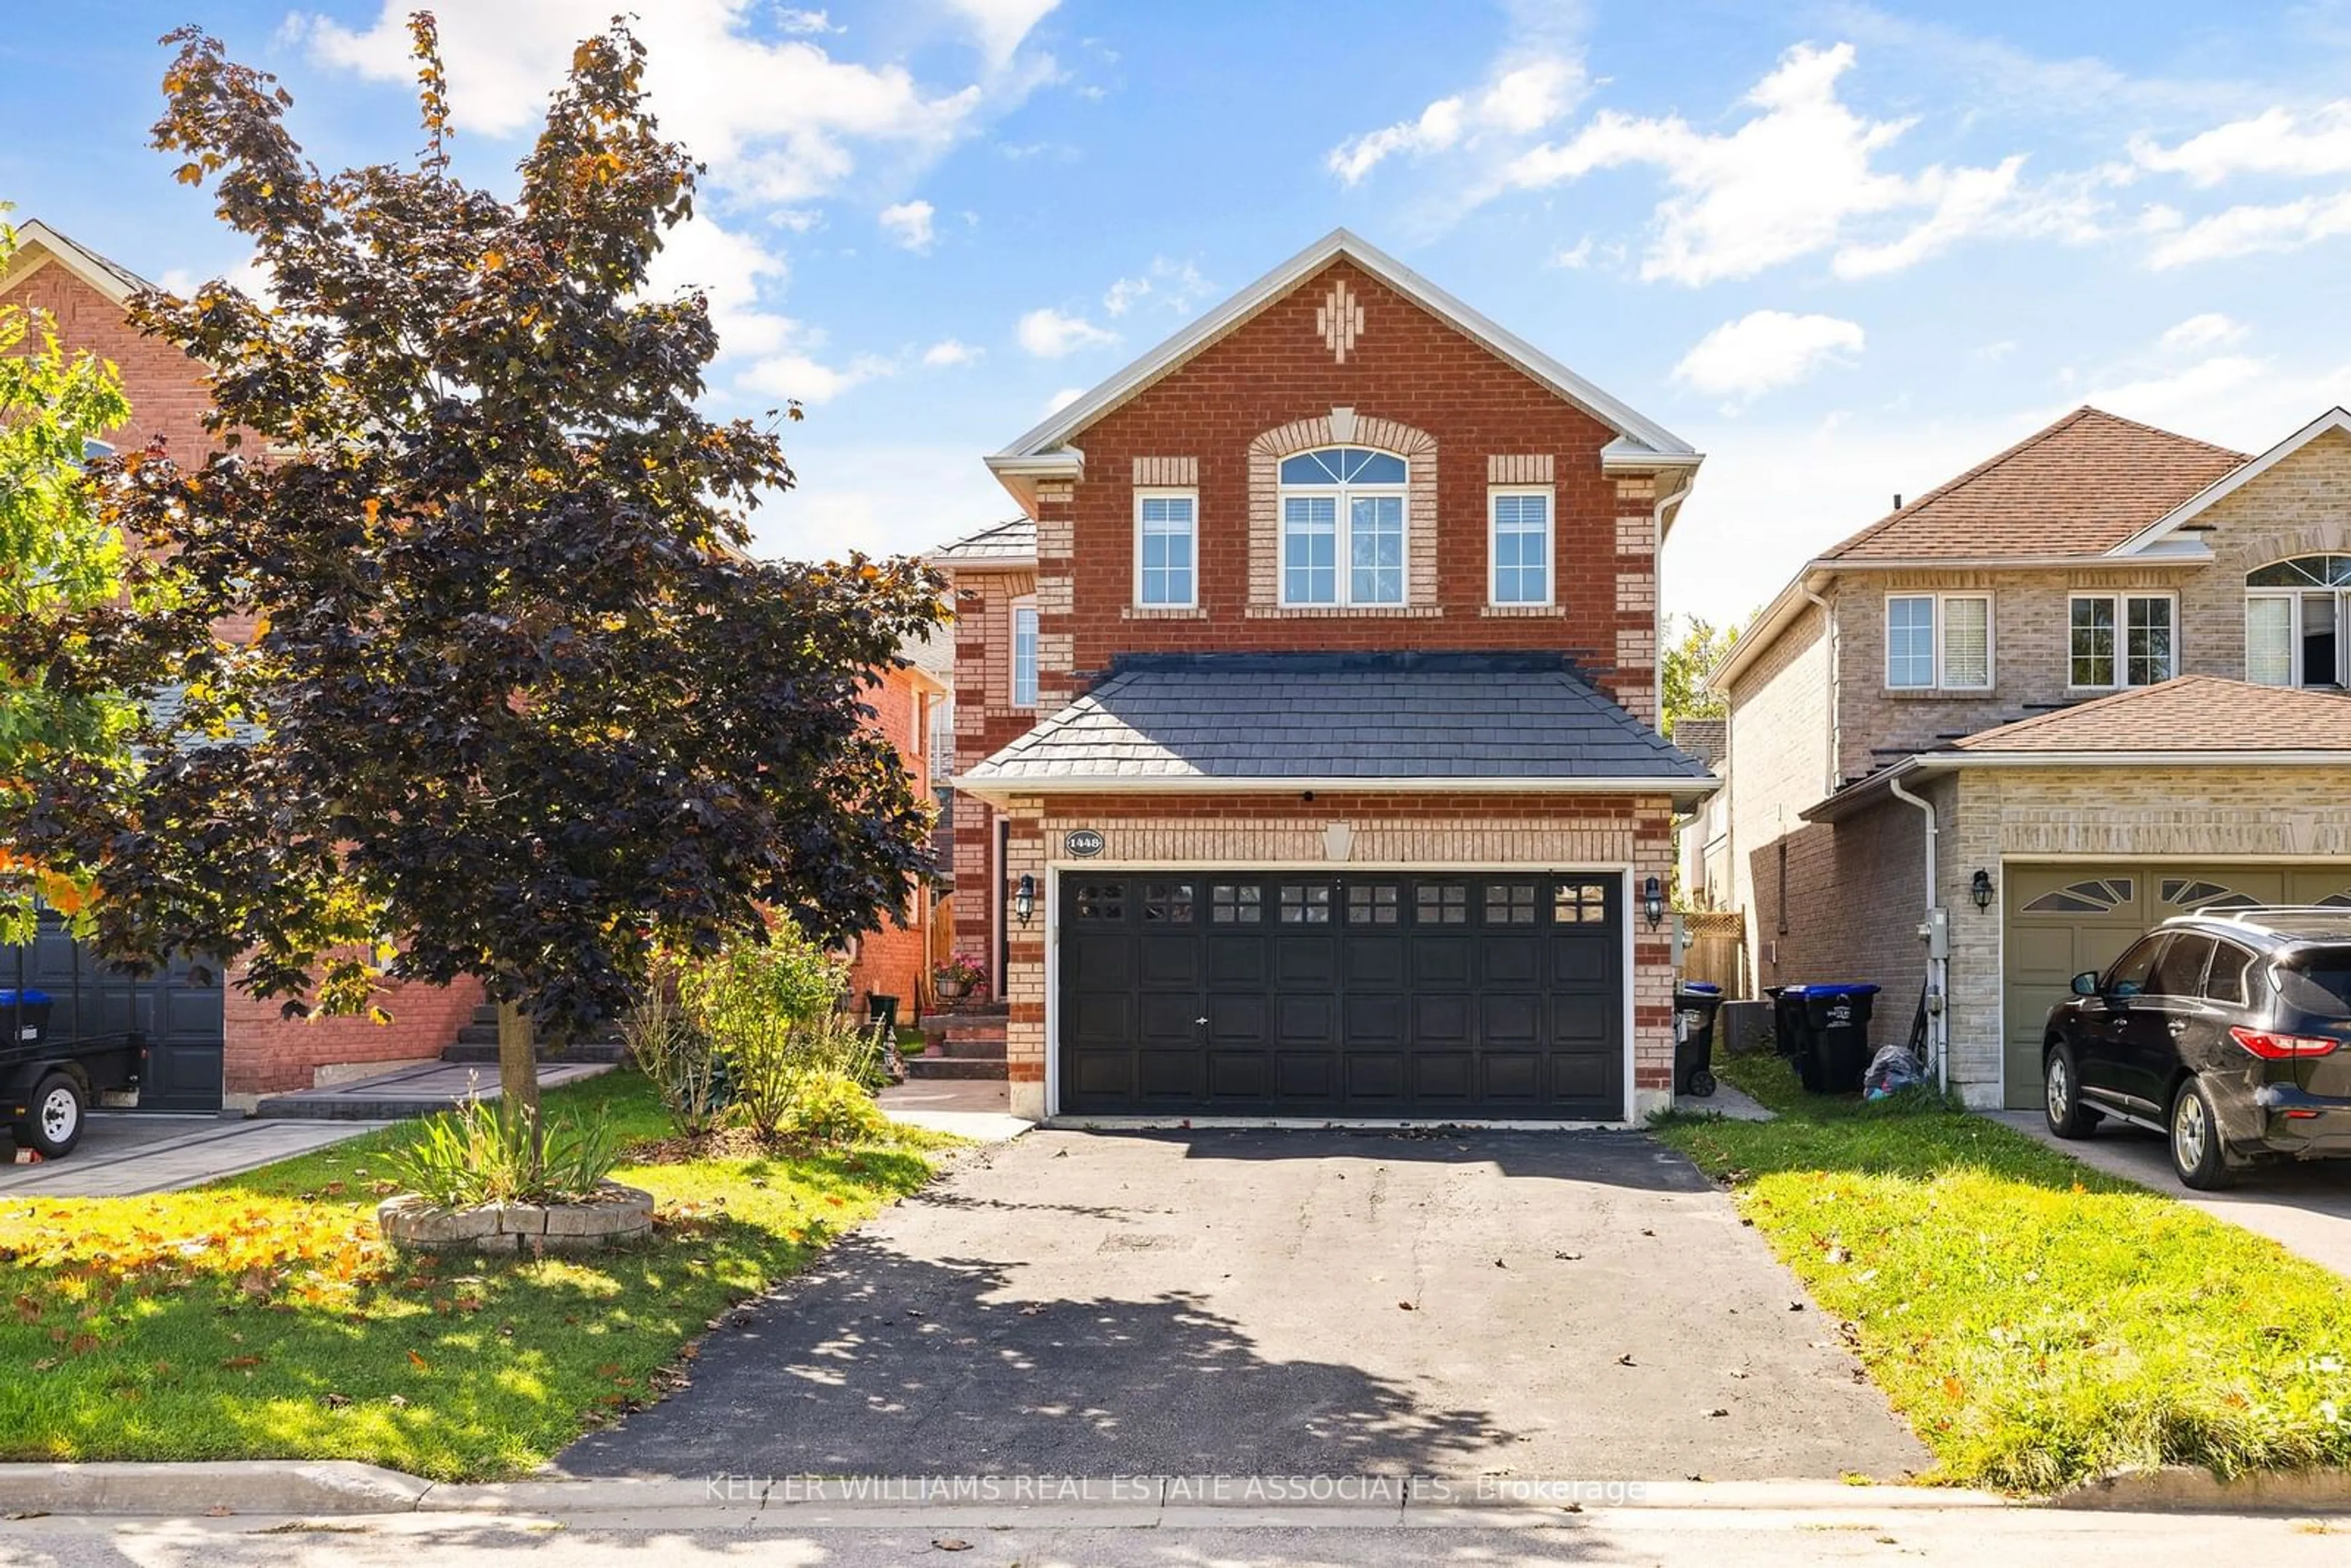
x,y
2295,612
1343,526
1166,548
2116,640
1939,642
1519,544
1024,653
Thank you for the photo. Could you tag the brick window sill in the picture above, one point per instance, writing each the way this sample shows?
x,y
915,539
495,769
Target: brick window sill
x,y
1522,611
1345,612
1161,613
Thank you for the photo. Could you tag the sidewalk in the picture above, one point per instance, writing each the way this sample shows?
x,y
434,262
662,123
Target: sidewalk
x,y
413,1091
967,1107
125,1154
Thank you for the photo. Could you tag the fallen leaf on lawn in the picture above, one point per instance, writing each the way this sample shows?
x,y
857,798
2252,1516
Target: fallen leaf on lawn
x,y
242,1363
1953,1389
339,1401
419,1363
398,1401
29,1310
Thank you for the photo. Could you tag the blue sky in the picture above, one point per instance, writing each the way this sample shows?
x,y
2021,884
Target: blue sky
x,y
1845,249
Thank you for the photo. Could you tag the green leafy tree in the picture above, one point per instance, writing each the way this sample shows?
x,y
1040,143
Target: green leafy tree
x,y
520,707
62,567
1688,657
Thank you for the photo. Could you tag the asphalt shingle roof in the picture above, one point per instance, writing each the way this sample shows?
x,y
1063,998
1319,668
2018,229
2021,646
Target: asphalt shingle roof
x,y
2192,713
1012,541
1338,716
2080,488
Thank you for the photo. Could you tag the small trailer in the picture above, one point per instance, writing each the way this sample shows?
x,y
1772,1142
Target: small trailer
x,y
47,1086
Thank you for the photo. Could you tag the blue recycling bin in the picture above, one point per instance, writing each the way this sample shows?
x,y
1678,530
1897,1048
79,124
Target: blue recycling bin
x,y
1837,1017
25,1016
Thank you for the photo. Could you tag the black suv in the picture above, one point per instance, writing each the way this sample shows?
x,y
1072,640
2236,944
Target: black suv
x,y
2229,1033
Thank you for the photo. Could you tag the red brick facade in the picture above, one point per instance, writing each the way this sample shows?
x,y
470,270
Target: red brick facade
x,y
896,960
1411,381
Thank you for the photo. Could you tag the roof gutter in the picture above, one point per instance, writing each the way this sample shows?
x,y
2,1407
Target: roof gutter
x,y
998,791
1928,764
1022,471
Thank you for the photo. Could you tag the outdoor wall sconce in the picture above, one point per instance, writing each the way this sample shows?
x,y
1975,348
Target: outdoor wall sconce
x,y
1652,902
1024,899
1980,888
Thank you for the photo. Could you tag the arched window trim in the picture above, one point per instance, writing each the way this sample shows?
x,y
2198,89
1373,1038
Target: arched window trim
x,y
1392,520
2297,624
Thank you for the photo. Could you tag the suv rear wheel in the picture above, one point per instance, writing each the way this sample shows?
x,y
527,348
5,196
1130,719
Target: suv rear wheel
x,y
2196,1151
2061,1095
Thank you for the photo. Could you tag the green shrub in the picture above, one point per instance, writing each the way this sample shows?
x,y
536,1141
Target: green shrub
x,y
836,1109
767,1009
681,1061
479,1154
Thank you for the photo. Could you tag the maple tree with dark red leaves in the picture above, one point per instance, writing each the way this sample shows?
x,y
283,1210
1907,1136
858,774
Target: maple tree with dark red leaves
x,y
517,706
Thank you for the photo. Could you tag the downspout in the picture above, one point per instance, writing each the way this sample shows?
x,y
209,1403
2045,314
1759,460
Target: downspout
x,y
1939,989
1837,704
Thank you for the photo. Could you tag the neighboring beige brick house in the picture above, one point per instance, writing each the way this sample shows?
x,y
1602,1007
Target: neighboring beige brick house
x,y
2108,662
1305,724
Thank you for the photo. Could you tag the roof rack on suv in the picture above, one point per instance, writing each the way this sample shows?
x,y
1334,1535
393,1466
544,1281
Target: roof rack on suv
x,y
2255,912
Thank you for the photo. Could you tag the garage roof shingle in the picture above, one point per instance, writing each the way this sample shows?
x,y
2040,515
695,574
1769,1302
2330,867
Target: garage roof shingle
x,y
1372,717
2190,714
1007,544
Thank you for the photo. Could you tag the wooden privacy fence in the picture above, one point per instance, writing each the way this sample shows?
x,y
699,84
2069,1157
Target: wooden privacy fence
x,y
1718,948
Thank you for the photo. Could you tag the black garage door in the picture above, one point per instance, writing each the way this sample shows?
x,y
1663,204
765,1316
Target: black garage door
x,y
177,1012
1189,993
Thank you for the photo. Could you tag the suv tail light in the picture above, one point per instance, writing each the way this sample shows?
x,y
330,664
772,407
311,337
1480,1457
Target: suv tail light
x,y
2282,1047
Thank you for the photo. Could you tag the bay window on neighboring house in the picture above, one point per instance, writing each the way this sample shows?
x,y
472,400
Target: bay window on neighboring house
x,y
1024,653
1166,550
1518,546
1939,642
1342,527
2294,612
2116,640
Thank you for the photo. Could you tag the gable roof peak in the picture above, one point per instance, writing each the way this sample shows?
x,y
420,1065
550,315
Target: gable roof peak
x,y
37,243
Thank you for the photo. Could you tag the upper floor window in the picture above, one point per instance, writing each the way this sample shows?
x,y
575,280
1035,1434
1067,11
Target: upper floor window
x,y
1166,539
1024,653
1938,640
1343,526
2294,612
2121,639
1520,545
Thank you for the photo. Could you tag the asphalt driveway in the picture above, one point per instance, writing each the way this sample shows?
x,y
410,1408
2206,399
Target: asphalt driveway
x,y
1558,1305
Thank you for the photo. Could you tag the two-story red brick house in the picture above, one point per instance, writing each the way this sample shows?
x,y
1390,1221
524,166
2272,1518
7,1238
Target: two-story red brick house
x,y
1305,723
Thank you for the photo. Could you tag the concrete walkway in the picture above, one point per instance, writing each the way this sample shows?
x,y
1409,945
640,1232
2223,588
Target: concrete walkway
x,y
968,1107
2306,1208
414,1091
123,1154
1726,1100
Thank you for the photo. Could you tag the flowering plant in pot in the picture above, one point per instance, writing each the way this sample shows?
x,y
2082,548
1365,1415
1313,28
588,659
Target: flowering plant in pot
x,y
961,975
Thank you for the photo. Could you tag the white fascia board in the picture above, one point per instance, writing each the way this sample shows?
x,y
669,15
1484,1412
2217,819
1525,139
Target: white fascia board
x,y
996,790
1765,629
2229,484
2199,554
1019,472
1059,426
1932,764
1625,457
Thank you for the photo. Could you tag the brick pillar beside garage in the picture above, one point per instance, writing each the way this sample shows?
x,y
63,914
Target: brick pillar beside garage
x,y
1402,830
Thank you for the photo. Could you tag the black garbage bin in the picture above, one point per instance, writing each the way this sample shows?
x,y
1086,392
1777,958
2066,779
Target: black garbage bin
x,y
1791,1031
880,1008
1839,1017
1694,1005
25,1016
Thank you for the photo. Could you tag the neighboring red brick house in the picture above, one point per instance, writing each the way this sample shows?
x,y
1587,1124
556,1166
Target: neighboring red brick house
x,y
896,961
210,1045
1305,723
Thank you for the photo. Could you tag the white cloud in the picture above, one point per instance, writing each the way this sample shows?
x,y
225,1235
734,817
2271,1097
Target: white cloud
x,y
2179,400
1993,353
1177,285
1574,258
730,268
1519,97
2274,142
1049,334
884,498
950,351
794,370
2251,230
2206,331
909,224
804,22
1765,350
776,119
1063,399
1001,24
1797,178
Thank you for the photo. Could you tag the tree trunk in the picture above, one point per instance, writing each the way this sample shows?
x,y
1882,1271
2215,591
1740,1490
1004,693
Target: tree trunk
x,y
518,1073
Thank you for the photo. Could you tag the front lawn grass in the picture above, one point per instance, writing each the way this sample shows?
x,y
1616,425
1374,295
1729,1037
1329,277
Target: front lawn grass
x,y
261,1318
2036,1322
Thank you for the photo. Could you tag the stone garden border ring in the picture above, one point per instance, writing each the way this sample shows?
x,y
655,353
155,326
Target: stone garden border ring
x,y
609,1216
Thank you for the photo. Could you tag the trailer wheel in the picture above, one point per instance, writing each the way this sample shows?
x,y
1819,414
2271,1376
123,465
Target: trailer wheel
x,y
55,1122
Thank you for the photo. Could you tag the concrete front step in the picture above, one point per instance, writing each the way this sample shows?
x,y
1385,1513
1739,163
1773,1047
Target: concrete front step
x,y
929,1066
964,1049
474,1051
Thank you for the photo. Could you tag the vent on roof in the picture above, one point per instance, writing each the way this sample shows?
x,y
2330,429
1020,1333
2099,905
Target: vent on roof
x,y
1897,500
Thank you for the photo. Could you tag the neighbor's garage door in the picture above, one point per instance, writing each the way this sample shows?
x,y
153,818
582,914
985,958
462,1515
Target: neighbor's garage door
x,y
177,1011
2062,920
1185,993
